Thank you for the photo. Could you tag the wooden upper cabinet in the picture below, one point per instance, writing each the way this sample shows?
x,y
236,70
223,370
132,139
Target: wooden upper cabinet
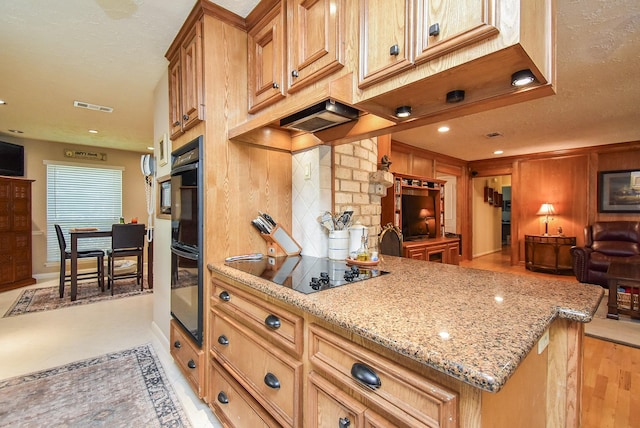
x,y
175,112
385,39
186,83
267,49
444,26
397,34
316,32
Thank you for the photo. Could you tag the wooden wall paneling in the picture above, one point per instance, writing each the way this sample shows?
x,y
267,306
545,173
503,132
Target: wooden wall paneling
x,y
623,159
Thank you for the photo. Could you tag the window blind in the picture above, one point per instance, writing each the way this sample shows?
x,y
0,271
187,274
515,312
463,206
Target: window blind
x,y
81,196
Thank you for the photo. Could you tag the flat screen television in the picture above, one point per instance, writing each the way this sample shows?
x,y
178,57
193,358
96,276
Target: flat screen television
x,y
11,159
418,221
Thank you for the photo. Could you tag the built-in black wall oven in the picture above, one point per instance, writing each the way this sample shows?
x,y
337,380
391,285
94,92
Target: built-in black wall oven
x,y
187,237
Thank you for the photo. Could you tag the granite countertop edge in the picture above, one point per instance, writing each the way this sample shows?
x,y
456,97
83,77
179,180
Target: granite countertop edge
x,y
495,361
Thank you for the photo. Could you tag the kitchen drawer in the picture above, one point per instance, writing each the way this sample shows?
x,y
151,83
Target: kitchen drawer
x,y
188,356
273,323
398,392
232,404
272,376
328,406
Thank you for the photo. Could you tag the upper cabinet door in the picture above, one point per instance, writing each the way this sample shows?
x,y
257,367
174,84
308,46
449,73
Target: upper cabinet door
x,y
385,39
266,60
446,25
192,81
316,31
175,115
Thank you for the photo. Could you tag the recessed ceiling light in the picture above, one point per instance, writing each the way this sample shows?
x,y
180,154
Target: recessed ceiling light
x,y
93,131
498,152
16,131
3,102
149,148
443,128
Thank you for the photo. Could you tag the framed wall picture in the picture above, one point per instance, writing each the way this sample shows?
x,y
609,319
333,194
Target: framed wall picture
x,y
619,191
163,150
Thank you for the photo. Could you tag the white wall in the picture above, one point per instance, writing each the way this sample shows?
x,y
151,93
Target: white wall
x,y
162,227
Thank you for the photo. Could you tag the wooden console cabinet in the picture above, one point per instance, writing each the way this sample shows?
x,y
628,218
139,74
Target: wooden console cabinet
x,y
15,233
441,250
548,253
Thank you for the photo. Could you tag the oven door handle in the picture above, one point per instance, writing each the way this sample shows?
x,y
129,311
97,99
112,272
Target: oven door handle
x,y
185,254
183,168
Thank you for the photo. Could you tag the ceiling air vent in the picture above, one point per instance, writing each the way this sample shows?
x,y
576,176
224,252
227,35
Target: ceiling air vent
x,y
81,104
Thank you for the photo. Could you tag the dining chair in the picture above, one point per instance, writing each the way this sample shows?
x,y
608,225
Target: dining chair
x,y
127,240
390,241
82,254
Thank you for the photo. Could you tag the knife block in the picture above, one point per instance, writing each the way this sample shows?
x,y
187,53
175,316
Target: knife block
x,y
280,243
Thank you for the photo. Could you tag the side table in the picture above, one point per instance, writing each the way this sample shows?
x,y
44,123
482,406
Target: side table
x,y
623,275
548,253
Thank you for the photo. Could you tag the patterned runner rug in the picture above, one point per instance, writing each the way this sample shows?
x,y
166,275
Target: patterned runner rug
x,y
625,331
121,389
47,298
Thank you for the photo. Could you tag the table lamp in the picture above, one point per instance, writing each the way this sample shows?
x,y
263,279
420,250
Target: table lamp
x,y
546,210
426,215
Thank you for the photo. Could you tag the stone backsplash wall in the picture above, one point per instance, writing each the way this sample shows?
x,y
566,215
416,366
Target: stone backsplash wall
x,y
353,163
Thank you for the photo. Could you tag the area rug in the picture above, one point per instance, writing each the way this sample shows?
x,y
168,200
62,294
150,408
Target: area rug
x,y
121,389
48,298
625,331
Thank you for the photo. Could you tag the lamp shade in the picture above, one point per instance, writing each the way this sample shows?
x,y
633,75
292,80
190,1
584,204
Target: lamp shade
x,y
546,209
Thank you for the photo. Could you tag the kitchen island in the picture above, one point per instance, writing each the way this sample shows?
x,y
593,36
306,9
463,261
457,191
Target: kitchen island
x,y
498,348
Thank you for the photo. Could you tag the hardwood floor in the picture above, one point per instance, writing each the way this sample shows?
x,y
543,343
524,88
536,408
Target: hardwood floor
x,y
611,385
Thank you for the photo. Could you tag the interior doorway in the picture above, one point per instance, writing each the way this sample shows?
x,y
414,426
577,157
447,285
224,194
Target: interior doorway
x,y
450,198
491,223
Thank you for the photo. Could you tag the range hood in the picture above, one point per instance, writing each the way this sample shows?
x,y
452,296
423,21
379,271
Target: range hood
x,y
320,116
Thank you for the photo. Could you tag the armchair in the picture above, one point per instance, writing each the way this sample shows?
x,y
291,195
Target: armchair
x,y
604,242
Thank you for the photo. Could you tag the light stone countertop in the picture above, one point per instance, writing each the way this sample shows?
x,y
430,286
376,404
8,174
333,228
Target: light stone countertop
x,y
407,310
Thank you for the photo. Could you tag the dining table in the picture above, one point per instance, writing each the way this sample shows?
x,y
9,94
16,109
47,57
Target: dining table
x,y
79,233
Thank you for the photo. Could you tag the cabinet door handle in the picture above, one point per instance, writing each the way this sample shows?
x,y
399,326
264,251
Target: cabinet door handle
x,y
394,50
222,339
272,381
224,296
344,423
434,29
222,398
176,123
294,73
365,375
191,364
177,344
275,85
185,117
272,321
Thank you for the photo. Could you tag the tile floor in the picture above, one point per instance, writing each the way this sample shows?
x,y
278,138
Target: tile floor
x,y
37,341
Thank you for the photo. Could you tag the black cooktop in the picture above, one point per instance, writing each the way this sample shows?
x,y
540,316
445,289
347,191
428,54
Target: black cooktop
x,y
306,274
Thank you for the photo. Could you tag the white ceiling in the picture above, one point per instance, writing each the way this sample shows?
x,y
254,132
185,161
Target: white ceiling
x,y
111,53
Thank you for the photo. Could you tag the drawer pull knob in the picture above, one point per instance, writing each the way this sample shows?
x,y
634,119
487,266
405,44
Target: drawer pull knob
x,y
294,73
394,50
222,339
222,398
365,375
176,123
344,423
272,321
191,364
272,381
177,344
185,117
224,296
434,30
275,85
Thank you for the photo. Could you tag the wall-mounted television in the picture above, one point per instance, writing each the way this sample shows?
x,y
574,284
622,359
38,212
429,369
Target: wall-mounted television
x,y
418,217
11,159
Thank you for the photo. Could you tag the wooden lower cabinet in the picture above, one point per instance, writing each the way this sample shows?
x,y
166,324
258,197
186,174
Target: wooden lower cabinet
x,y
232,403
188,356
440,250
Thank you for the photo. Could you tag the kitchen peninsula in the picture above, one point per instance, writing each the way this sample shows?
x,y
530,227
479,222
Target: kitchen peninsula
x,y
436,345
